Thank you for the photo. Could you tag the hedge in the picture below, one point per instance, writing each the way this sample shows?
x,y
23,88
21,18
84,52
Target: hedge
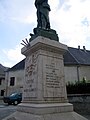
x,y
79,88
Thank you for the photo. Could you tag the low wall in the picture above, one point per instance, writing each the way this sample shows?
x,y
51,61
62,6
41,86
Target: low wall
x,y
81,102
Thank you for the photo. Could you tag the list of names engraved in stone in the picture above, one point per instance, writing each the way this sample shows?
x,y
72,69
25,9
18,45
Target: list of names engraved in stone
x,y
53,81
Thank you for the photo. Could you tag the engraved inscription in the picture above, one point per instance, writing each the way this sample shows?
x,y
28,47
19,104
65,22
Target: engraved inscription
x,y
53,85
52,79
30,76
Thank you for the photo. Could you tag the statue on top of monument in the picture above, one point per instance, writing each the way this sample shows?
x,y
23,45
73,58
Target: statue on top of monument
x,y
43,10
43,24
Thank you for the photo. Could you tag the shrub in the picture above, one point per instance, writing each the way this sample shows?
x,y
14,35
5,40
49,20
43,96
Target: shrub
x,y
78,88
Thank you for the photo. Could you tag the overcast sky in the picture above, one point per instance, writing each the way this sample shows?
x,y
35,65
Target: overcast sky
x,y
70,18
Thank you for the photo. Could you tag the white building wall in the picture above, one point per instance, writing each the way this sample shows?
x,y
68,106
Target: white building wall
x,y
2,86
19,76
2,83
77,73
70,74
84,72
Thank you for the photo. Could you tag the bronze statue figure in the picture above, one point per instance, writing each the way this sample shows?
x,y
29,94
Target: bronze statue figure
x,y
43,10
43,24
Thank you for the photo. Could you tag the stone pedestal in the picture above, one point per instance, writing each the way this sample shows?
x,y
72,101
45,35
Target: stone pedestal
x,y
44,72
44,93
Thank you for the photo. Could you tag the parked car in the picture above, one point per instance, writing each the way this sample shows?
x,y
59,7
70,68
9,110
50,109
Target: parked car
x,y
14,98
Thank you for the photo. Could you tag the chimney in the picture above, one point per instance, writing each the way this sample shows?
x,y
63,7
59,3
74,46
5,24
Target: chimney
x,y
79,47
84,48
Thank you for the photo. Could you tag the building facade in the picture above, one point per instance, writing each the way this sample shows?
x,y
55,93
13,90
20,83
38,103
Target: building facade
x,y
77,64
14,78
76,67
2,81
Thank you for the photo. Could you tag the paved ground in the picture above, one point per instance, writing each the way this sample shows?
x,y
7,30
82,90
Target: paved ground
x,y
6,110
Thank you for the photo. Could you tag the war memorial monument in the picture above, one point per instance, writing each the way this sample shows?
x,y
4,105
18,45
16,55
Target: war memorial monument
x,y
44,89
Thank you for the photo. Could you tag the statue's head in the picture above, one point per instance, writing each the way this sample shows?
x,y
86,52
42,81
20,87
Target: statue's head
x,y
46,1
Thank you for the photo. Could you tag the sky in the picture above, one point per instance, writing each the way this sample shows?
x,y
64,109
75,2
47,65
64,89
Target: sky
x,y
70,18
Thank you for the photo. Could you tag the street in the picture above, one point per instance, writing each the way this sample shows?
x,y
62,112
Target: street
x,y
6,110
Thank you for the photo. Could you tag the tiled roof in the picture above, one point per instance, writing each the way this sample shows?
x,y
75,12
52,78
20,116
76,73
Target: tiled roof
x,y
2,70
3,67
73,56
77,56
18,66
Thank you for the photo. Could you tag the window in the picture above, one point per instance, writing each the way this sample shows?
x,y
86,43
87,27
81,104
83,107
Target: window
x,y
0,81
12,81
2,92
